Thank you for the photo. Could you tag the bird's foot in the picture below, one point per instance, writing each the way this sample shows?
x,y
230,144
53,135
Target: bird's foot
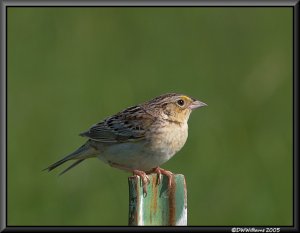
x,y
160,171
144,178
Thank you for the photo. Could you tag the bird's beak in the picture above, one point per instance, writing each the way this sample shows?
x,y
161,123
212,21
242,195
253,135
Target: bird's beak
x,y
197,104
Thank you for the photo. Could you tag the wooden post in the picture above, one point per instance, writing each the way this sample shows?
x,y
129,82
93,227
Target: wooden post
x,y
161,206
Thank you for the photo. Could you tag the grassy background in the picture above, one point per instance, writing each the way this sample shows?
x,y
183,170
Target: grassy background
x,y
69,68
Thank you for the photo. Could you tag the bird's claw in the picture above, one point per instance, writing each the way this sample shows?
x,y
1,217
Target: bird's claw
x,y
160,171
144,179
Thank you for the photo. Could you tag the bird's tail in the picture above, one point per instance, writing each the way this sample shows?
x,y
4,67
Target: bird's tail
x,y
82,153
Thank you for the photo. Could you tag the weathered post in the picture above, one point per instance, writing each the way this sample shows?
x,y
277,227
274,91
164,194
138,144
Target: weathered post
x,y
162,205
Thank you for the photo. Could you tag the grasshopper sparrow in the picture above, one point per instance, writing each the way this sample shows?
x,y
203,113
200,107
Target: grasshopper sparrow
x,y
140,138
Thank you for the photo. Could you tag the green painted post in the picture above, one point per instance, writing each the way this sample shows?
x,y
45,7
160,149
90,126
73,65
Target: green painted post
x,y
161,206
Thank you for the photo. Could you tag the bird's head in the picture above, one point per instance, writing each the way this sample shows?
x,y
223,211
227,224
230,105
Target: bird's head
x,y
175,107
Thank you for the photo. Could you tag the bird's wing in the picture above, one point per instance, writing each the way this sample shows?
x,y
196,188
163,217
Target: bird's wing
x,y
128,125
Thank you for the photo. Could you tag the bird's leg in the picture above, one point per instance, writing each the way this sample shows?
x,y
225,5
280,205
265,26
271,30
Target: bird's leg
x,y
144,178
160,171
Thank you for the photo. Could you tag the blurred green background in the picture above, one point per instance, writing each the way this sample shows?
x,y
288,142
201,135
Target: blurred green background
x,y
69,68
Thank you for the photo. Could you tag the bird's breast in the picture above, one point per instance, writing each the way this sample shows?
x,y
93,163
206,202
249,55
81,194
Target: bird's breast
x,y
168,139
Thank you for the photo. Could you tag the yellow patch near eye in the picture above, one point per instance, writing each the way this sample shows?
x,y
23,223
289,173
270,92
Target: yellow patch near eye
x,y
186,98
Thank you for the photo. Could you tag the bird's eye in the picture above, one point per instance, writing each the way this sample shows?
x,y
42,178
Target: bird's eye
x,y
180,102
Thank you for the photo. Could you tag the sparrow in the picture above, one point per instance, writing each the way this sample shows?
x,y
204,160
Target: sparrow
x,y
140,138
